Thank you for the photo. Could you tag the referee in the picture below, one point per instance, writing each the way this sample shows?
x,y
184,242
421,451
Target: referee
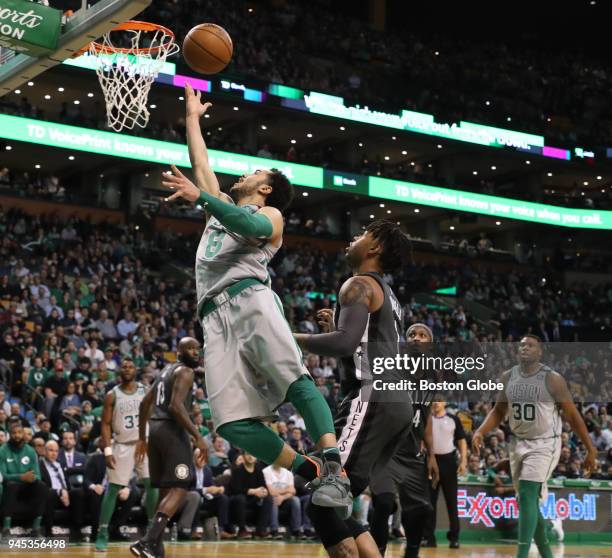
x,y
410,468
448,437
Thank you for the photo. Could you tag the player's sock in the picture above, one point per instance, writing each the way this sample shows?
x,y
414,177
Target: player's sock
x,y
541,538
108,505
36,522
156,532
331,454
529,494
254,437
311,404
151,497
6,523
304,467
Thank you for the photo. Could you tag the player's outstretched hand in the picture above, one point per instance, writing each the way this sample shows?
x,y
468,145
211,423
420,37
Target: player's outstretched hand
x,y
477,442
182,186
193,102
140,452
590,463
325,319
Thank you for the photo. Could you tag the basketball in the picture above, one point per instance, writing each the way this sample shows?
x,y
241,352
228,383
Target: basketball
x,y
207,48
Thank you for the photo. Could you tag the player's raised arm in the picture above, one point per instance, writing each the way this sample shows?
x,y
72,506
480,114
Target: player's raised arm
x,y
357,297
493,419
558,388
205,178
266,223
106,433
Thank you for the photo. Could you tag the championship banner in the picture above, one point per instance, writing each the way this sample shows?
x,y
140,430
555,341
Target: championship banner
x,y
28,27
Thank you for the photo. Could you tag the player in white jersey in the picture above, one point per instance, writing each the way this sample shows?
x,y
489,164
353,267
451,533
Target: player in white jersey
x,y
119,438
536,400
252,362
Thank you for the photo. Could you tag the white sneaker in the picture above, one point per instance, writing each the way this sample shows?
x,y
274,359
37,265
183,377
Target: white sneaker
x,y
557,528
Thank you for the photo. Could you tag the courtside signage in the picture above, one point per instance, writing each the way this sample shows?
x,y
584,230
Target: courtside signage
x,y
434,196
142,149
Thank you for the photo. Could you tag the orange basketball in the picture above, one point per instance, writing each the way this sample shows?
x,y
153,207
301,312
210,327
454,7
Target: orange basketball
x,y
207,48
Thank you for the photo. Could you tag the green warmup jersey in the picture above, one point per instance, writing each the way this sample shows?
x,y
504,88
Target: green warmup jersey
x,y
532,411
224,258
126,411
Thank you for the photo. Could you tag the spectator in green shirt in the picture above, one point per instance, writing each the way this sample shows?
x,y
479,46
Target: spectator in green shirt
x,y
24,493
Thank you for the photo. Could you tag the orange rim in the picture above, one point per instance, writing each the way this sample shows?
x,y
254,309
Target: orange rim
x,y
99,48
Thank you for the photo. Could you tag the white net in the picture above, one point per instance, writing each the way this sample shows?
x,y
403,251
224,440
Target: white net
x,y
126,73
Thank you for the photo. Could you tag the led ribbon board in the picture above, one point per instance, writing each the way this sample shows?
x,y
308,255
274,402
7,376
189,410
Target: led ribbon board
x,y
162,152
142,149
493,206
334,107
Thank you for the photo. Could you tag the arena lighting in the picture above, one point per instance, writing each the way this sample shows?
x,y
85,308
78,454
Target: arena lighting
x,y
598,177
17,91
360,144
293,141
8,147
109,144
474,173
153,106
417,210
30,83
393,138
381,205
342,128
498,223
60,89
452,227
549,174
386,157
528,162
76,102
404,152
371,216
412,163
236,108
47,97
308,135
305,194
71,158
493,167
509,119
207,115
439,146
90,95
181,98
388,211
36,166
585,183
487,103
264,127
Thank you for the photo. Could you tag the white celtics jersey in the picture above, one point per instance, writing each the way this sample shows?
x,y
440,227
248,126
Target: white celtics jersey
x,y
224,258
532,410
126,411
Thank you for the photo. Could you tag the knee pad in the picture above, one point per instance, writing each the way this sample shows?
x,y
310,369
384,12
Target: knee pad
x,y
384,503
328,525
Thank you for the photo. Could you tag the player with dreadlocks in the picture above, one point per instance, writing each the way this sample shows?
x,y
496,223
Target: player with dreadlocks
x,y
366,328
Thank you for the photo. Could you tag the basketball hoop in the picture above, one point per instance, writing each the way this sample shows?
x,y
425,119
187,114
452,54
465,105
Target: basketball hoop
x,y
127,72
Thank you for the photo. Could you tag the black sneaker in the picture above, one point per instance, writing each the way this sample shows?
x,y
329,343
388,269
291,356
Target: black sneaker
x,y
453,544
429,543
146,550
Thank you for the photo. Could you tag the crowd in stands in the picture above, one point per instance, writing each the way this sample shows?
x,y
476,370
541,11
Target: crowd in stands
x,y
77,298
326,48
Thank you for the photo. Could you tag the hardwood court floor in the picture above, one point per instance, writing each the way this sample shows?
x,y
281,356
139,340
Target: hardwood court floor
x,y
282,550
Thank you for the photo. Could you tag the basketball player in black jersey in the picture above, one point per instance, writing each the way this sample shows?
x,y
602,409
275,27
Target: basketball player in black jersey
x,y
168,404
367,325
409,472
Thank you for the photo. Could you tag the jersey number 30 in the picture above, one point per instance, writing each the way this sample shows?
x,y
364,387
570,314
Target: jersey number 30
x,y
524,411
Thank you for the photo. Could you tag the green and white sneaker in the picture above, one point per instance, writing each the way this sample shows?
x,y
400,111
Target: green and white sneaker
x,y
102,539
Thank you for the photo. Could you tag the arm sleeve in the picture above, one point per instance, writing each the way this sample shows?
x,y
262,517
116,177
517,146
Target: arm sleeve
x,y
237,219
352,322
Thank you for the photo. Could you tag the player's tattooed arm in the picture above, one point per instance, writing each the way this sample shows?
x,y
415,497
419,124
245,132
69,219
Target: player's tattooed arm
x,y
356,296
557,386
494,418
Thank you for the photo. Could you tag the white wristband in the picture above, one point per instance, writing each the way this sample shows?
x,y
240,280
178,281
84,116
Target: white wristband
x,y
108,451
